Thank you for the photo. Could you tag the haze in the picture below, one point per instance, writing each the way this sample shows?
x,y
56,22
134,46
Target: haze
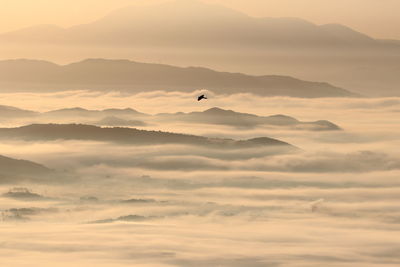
x,y
107,158
375,17
195,33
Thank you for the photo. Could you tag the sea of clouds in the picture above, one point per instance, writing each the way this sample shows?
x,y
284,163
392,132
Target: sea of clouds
x,y
335,202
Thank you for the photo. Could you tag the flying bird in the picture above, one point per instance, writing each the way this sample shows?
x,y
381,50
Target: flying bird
x,y
201,97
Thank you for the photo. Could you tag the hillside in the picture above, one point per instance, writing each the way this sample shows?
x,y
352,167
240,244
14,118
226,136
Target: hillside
x,y
231,118
52,132
128,117
12,112
15,170
210,26
219,38
130,76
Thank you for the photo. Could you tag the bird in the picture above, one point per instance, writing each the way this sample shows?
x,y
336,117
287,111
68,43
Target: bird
x,y
201,97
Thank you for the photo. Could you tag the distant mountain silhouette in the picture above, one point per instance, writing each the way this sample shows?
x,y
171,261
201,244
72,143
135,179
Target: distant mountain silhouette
x,y
51,132
130,76
7,112
132,118
14,170
232,118
166,24
188,32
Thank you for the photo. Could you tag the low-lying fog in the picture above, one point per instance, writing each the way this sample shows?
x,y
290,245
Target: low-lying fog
x,y
334,202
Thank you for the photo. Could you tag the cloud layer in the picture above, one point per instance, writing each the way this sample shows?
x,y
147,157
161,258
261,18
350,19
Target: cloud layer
x,y
333,203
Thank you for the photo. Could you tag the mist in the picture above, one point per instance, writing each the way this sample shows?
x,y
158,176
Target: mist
x,y
109,158
225,38
333,202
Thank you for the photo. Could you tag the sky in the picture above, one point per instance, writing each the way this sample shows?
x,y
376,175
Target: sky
x,y
377,18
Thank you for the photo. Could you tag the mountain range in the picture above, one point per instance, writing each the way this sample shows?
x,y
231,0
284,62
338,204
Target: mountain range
x,y
53,132
189,32
132,118
191,23
12,112
220,116
130,76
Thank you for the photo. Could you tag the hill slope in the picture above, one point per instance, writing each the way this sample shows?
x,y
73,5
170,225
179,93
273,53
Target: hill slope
x,y
130,76
51,132
14,170
187,32
232,118
131,118
213,26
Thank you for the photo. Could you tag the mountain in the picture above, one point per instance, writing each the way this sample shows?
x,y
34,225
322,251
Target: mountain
x,y
129,117
130,76
7,112
166,24
188,32
51,132
237,119
9,165
15,170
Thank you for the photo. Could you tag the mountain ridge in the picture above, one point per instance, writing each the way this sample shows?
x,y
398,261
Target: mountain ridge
x,y
53,132
128,117
132,76
188,32
173,15
220,116
16,170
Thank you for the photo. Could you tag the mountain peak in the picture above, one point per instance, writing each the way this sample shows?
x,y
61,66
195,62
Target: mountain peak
x,y
216,110
224,112
176,8
192,24
78,109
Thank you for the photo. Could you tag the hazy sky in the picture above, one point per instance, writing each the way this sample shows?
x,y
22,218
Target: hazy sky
x,y
378,18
